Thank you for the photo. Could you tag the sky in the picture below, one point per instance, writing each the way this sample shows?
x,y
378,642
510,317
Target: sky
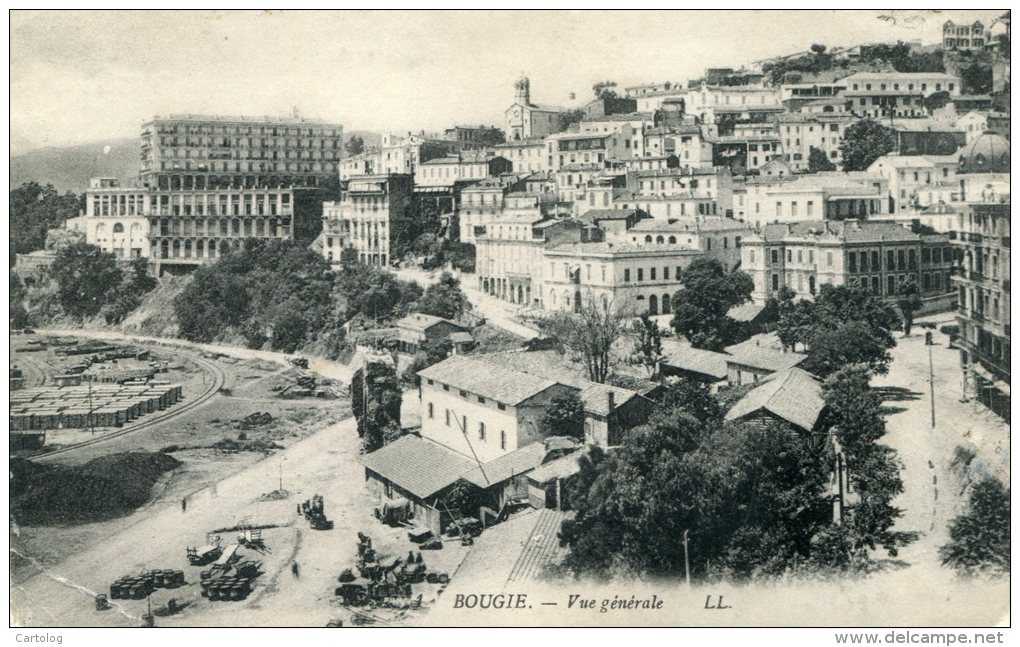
x,y
79,77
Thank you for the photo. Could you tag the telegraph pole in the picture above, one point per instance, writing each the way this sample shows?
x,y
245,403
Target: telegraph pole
x,y
687,562
931,387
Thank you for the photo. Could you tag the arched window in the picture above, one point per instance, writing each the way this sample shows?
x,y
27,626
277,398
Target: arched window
x,y
118,228
666,304
653,305
648,239
672,240
660,239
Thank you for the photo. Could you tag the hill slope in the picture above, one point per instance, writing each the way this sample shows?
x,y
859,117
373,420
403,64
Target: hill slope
x,y
69,168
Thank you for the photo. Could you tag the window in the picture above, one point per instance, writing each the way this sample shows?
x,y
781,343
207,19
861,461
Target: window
x,y
626,275
463,393
502,440
481,431
852,258
640,274
789,256
501,406
890,260
665,273
775,256
775,282
430,410
810,208
651,274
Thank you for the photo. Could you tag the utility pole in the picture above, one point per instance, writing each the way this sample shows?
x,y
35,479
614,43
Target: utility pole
x,y
931,387
687,562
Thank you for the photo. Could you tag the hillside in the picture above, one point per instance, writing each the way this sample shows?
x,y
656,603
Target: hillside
x,y
68,168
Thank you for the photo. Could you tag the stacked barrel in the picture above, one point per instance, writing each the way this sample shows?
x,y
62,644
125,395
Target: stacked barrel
x,y
138,587
231,584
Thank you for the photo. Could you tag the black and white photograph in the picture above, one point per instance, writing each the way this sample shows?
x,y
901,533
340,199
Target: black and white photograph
x,y
510,318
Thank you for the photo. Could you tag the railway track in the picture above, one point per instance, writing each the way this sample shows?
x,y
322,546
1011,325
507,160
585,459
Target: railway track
x,y
219,378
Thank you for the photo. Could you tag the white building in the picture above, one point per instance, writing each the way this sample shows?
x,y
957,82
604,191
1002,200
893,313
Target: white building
x,y
915,179
525,119
628,277
810,197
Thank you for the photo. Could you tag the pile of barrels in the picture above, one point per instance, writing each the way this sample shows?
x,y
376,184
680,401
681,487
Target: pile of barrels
x,y
138,587
233,585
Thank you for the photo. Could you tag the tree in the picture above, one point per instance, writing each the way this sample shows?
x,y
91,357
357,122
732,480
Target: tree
x,y
843,325
431,353
818,48
699,309
818,161
444,298
85,276
490,136
936,100
979,538
213,301
864,142
605,90
570,117
976,78
18,315
908,299
647,344
589,335
35,209
564,416
355,145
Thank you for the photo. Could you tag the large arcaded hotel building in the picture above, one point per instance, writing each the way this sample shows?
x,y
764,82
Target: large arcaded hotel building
x,y
207,183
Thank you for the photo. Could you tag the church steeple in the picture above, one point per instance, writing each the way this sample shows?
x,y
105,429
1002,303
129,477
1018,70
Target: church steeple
x,y
522,88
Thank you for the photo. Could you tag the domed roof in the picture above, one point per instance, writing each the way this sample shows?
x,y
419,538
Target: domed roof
x,y
989,153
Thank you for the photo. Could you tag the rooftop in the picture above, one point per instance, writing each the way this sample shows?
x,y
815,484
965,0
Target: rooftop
x,y
422,321
762,357
793,395
479,375
687,358
851,231
612,249
507,466
418,465
695,224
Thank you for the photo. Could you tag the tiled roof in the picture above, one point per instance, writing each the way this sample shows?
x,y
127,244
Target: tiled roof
x,y
695,224
695,360
762,357
608,214
596,397
557,469
745,312
851,231
482,377
507,466
794,395
422,321
418,465
650,249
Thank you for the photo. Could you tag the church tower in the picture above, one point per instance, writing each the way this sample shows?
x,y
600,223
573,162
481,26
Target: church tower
x,y
522,87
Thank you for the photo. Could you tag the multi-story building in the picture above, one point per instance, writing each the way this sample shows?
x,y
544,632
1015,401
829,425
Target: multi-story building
x,y
983,284
625,142
717,237
115,218
372,211
704,191
181,228
464,167
200,152
485,200
400,153
923,83
745,153
509,262
638,121
910,175
683,142
526,155
525,119
800,132
623,276
810,197
964,37
878,256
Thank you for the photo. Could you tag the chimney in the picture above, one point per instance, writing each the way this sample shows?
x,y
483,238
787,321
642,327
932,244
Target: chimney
x,y
611,400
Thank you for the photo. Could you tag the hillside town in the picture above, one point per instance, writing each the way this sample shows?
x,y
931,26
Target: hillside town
x,y
538,342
